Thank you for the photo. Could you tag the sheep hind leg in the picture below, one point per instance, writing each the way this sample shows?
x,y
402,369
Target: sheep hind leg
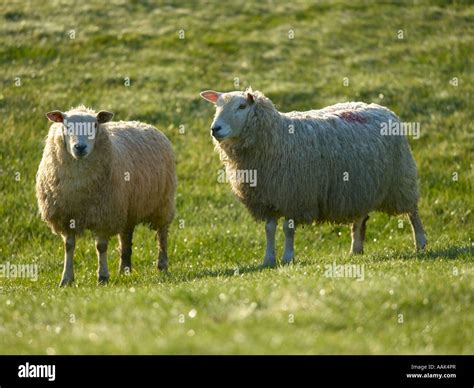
x,y
289,229
103,271
270,254
418,231
358,236
126,251
162,237
68,271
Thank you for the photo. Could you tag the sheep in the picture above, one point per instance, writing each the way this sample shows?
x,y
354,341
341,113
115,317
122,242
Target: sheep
x,y
105,177
330,165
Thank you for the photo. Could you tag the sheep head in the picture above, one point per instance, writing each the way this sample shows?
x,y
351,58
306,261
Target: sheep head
x,y
79,128
232,111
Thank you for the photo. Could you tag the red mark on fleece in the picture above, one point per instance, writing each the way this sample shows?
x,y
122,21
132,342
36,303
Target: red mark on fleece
x,y
352,117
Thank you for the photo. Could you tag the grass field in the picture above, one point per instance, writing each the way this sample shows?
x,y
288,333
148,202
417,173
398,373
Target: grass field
x,y
415,59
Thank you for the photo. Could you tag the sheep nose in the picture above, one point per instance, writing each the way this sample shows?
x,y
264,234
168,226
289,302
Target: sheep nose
x,y
80,148
215,128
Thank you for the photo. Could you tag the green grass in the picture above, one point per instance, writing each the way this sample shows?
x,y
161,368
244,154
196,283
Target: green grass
x,y
228,303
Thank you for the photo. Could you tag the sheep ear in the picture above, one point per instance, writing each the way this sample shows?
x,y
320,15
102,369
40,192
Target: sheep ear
x,y
211,95
250,98
55,116
103,116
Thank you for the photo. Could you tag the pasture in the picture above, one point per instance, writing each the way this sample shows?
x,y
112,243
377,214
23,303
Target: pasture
x,y
148,62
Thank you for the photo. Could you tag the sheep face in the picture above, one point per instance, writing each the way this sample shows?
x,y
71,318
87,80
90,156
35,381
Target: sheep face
x,y
232,110
79,130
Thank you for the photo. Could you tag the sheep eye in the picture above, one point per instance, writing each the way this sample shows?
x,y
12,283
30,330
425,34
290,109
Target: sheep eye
x,y
242,106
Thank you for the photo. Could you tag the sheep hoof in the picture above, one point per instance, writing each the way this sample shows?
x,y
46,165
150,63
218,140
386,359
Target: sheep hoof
x,y
287,259
269,263
66,282
103,279
356,252
421,248
162,265
421,244
126,270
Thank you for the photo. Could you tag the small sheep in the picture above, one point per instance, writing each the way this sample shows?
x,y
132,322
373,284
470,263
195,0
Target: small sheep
x,y
332,165
106,177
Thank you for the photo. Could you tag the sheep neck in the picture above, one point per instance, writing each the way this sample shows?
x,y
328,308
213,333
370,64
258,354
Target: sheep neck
x,y
258,142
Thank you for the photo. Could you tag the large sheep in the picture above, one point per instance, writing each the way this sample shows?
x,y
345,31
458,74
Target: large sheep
x,y
333,164
106,177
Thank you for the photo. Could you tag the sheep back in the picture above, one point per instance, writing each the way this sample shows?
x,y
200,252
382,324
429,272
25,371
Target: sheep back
x,y
330,165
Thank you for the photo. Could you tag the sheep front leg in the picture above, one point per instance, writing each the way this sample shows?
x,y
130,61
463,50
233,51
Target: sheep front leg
x,y
289,229
126,251
270,255
358,235
162,248
68,271
103,271
418,231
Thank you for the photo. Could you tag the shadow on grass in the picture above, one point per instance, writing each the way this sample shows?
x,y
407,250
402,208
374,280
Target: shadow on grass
x,y
449,253
183,276
229,272
224,272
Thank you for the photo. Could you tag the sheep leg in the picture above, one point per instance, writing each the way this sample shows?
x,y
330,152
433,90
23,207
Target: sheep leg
x,y
358,235
289,229
68,271
103,271
162,248
126,251
270,255
418,231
